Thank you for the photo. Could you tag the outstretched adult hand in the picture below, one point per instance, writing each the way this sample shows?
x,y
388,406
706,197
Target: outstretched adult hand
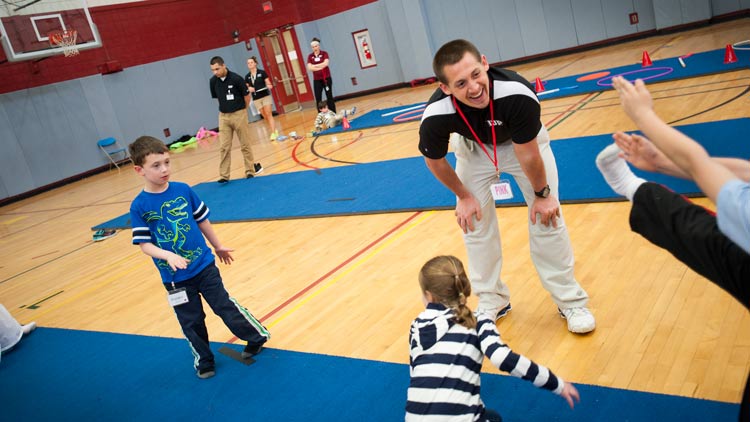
x,y
635,98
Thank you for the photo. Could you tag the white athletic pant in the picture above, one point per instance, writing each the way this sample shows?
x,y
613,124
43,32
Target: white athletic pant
x,y
10,330
550,247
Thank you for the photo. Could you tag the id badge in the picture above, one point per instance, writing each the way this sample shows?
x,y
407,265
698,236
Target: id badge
x,y
230,97
501,190
177,297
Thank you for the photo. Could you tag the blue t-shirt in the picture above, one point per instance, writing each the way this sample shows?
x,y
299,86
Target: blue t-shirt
x,y
733,212
170,220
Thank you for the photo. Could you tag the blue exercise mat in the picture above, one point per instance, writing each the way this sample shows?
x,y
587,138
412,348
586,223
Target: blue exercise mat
x,y
407,185
71,375
699,64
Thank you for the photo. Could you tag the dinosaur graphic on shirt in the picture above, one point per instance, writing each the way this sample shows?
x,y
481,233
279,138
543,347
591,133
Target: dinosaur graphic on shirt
x,y
171,229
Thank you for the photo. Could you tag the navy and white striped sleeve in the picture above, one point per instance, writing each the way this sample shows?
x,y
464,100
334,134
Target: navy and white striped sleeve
x,y
200,210
517,365
141,232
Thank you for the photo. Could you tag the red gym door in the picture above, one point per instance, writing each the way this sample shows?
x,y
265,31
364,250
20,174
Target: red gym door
x,y
285,64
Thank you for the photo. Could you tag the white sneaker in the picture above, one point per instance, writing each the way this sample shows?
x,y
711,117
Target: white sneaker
x,y
580,320
495,313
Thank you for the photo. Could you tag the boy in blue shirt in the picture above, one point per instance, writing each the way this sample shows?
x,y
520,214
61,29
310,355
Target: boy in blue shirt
x,y
169,223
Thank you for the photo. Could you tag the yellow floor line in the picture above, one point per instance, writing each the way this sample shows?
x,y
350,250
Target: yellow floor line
x,y
14,220
115,277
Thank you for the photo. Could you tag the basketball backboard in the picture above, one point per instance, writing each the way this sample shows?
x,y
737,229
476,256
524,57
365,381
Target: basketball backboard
x,y
25,27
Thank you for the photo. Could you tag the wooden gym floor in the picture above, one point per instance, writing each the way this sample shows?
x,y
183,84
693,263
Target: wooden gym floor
x,y
347,285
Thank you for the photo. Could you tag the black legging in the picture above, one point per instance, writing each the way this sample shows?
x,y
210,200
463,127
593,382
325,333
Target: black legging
x,y
691,234
320,85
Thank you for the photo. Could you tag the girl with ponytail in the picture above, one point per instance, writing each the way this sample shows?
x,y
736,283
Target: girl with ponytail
x,y
448,343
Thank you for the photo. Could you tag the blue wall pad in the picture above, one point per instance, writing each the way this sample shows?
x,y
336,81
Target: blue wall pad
x,y
69,375
407,185
699,64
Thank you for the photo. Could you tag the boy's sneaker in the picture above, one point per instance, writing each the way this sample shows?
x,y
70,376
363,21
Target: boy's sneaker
x,y
498,313
580,320
206,373
274,135
251,350
248,175
222,181
258,168
354,110
102,234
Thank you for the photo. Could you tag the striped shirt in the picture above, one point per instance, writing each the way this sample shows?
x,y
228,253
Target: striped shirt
x,y
445,362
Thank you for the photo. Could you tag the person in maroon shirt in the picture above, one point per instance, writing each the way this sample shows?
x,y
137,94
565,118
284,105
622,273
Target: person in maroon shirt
x,y
317,63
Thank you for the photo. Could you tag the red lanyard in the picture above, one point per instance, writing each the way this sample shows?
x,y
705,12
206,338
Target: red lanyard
x,y
479,141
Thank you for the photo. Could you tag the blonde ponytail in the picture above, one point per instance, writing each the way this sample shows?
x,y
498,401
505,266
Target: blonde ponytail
x,y
444,277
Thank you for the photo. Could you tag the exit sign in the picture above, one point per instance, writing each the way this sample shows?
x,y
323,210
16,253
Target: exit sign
x,y
267,7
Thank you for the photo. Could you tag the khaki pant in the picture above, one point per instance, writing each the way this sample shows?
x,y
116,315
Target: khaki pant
x,y
229,124
551,250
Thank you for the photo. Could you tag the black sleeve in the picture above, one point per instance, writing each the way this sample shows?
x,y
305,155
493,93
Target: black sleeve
x,y
433,139
435,129
243,87
523,118
212,87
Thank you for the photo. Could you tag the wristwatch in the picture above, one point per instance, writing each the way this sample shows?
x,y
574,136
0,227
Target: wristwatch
x,y
543,193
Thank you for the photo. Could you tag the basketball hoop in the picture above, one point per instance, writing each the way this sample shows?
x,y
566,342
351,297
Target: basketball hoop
x,y
66,39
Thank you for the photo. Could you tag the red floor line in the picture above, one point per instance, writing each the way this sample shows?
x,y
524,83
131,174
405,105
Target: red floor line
x,y
353,141
294,152
572,106
328,274
296,160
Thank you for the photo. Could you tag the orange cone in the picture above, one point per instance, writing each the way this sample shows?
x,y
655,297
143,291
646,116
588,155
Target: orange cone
x,y
729,56
646,59
345,123
539,85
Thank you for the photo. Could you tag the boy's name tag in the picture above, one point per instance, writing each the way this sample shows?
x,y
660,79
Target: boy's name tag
x,y
177,297
230,97
501,190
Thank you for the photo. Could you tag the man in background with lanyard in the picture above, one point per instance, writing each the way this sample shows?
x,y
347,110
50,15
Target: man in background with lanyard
x,y
493,117
231,91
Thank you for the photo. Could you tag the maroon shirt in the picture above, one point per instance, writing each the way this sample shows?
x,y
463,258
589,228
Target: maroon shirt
x,y
319,75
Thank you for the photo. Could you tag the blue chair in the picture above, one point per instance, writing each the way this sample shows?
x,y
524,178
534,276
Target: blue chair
x,y
113,150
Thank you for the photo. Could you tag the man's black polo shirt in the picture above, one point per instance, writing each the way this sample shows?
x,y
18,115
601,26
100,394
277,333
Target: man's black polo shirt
x,y
230,92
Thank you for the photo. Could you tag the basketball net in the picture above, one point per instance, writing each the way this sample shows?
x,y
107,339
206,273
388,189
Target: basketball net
x,y
66,39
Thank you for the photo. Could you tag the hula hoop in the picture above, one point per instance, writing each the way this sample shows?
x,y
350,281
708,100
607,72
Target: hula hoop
x,y
664,71
408,116
404,109
742,45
